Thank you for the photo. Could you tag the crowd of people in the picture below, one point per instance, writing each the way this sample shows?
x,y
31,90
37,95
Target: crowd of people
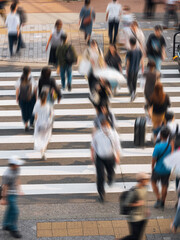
x,y
104,75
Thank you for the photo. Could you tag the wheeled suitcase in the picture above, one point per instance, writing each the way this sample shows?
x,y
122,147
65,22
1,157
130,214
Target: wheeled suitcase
x,y
139,131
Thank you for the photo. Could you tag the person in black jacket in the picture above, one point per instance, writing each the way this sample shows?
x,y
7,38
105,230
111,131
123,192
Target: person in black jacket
x,y
45,81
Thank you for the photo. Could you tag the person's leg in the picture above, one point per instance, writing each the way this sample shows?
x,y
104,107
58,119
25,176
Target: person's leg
x,y
116,27
25,112
134,81
109,165
11,215
129,83
62,74
176,222
31,116
158,62
111,26
10,38
18,43
100,176
166,17
164,193
69,77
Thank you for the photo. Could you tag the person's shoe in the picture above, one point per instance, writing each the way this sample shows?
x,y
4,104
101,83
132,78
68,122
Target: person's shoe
x,y
133,96
26,129
157,204
23,45
15,234
69,87
44,158
31,126
110,182
101,198
6,228
162,205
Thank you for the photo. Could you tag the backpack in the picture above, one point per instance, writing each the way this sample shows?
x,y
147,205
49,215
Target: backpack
x,y
22,15
70,57
25,92
124,209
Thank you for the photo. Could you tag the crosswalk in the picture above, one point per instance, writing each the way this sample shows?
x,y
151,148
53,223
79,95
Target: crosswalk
x,y
68,169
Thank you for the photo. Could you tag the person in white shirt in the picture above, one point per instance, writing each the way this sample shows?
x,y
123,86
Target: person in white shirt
x,y
113,13
171,11
105,153
13,23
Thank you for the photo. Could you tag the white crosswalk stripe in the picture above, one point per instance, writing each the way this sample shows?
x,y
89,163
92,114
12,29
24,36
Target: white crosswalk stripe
x,y
70,142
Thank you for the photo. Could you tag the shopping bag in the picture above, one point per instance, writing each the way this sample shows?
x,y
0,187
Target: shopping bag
x,y
84,67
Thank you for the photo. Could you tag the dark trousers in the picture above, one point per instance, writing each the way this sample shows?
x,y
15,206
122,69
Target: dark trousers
x,y
13,39
149,8
101,165
27,110
132,81
11,214
113,25
136,230
170,12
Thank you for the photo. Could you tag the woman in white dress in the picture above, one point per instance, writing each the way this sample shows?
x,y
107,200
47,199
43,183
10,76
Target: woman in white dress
x,y
43,112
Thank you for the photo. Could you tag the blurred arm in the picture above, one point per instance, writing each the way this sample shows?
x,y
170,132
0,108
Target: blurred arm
x,y
48,42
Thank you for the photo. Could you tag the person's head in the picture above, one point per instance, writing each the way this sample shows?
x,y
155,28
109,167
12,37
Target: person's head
x,y
87,2
14,163
45,73
25,74
43,97
143,179
112,49
132,42
114,0
13,7
169,117
158,95
158,31
165,133
151,65
58,24
134,26
64,38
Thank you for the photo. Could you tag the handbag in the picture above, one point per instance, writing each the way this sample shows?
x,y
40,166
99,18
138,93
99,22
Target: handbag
x,y
87,20
84,67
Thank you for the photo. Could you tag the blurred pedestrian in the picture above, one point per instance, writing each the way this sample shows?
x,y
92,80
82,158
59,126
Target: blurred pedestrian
x,y
134,59
13,25
151,77
26,93
43,112
66,57
109,116
100,95
86,19
55,41
95,56
49,83
171,11
113,13
159,171
10,189
137,201
113,59
159,103
156,47
149,8
105,152
23,19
